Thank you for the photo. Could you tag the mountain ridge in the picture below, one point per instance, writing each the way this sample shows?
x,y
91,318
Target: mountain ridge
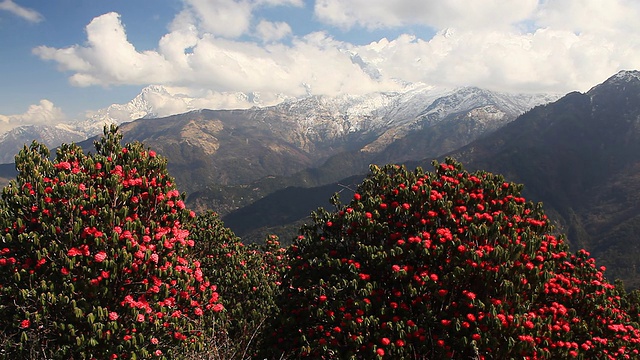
x,y
155,101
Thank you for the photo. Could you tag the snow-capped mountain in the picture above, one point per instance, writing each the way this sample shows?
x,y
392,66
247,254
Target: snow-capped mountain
x,y
312,119
383,117
13,141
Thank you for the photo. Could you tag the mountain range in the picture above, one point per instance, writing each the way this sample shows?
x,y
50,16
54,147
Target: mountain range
x,y
579,156
265,168
152,102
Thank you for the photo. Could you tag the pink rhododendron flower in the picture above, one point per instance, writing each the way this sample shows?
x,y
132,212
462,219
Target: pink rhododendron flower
x,y
99,257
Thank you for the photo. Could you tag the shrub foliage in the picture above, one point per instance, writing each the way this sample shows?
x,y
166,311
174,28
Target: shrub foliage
x,y
445,264
96,260
247,278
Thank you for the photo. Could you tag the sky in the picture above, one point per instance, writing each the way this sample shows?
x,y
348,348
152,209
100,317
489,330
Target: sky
x,y
63,60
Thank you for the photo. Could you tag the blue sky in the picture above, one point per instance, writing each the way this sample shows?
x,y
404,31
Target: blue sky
x,y
61,59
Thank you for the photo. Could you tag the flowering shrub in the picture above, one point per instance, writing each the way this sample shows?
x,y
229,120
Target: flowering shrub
x,y
445,264
96,259
247,280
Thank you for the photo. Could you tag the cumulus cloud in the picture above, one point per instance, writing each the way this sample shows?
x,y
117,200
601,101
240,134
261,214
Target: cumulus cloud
x,y
371,14
590,16
228,18
109,58
21,11
523,46
543,61
185,58
271,31
43,113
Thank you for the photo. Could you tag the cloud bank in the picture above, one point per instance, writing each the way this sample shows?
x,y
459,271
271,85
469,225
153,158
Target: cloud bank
x,y
223,46
43,113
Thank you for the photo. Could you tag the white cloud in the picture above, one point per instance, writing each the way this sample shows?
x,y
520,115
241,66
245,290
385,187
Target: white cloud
x,y
546,46
185,58
109,58
23,12
581,16
439,14
228,18
546,60
43,113
297,3
271,31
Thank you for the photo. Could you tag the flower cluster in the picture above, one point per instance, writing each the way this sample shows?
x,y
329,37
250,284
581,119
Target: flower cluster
x,y
445,264
97,258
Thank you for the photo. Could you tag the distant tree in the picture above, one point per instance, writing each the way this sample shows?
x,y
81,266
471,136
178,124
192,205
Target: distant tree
x,y
445,264
96,259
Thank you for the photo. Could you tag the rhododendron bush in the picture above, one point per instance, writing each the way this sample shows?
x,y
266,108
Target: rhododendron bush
x,y
247,277
96,259
445,264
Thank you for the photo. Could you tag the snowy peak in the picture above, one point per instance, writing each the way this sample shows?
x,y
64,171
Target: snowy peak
x,y
314,119
417,105
468,98
625,76
12,141
618,83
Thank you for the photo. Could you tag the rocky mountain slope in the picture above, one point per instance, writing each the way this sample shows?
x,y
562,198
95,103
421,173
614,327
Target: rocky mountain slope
x,y
237,147
581,157
226,159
